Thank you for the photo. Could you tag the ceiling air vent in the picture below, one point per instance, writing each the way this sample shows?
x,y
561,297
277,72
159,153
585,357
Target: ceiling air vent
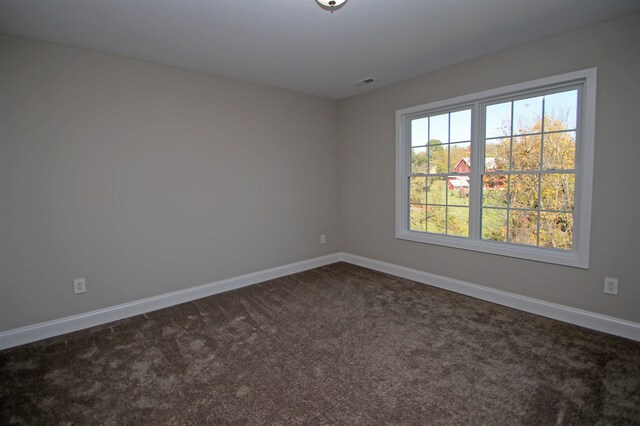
x,y
364,82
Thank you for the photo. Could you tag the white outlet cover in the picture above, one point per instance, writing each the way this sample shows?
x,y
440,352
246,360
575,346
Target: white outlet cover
x,y
79,286
611,285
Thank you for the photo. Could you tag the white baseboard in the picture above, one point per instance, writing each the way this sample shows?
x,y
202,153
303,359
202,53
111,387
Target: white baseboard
x,y
32,333
594,321
587,319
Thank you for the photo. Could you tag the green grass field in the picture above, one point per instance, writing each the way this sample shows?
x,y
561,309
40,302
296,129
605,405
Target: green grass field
x,y
454,220
447,213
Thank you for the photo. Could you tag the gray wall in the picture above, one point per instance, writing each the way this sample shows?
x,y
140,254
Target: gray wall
x,y
147,179
367,162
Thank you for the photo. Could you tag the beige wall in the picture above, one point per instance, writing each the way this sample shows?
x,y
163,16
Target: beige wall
x,y
367,162
147,179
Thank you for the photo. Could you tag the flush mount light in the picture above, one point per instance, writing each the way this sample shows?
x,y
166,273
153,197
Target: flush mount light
x,y
331,5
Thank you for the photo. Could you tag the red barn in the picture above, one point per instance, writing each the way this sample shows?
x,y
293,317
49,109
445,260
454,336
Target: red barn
x,y
459,182
464,166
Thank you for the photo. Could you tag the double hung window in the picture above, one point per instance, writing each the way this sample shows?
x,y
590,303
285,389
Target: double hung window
x,y
507,171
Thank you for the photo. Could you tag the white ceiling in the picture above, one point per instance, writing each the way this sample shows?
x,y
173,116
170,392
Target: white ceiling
x,y
294,44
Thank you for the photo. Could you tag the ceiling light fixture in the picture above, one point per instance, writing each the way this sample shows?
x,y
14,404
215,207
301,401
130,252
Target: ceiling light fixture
x,y
331,5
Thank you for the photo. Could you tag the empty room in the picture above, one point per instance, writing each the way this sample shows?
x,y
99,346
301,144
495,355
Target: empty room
x,y
310,212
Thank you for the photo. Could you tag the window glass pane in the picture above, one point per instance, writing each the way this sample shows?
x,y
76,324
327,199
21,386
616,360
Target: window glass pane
x,y
417,217
494,224
436,190
560,110
458,190
559,151
498,120
523,191
527,115
417,190
556,230
419,160
459,157
523,227
439,128
526,152
494,190
497,154
557,191
458,221
419,131
461,126
438,158
436,219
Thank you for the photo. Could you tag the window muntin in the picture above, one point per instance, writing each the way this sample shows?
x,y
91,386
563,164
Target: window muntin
x,y
528,189
553,118
439,178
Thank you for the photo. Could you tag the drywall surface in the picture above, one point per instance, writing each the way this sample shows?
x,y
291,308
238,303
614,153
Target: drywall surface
x,y
147,179
367,170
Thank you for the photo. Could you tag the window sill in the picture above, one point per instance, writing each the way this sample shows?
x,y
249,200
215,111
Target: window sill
x,y
558,257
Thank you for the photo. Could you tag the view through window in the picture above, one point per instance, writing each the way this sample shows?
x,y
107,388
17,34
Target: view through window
x,y
528,184
440,165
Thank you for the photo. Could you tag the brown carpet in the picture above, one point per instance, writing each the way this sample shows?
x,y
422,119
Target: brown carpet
x,y
335,345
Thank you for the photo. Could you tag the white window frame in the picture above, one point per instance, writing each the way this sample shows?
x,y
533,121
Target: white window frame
x,y
578,256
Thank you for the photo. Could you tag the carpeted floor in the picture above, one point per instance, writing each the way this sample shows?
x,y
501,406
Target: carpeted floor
x,y
335,345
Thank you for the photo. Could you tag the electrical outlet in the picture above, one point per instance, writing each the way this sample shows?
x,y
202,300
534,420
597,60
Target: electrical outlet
x,y
611,285
79,285
323,239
